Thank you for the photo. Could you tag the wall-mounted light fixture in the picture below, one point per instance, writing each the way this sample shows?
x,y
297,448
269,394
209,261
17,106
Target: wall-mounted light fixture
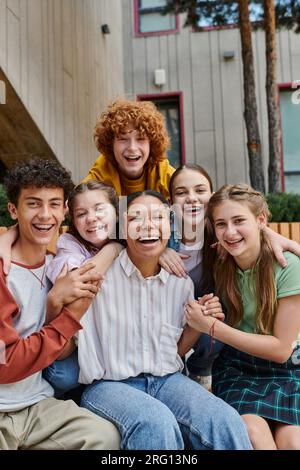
x,y
105,29
159,77
228,55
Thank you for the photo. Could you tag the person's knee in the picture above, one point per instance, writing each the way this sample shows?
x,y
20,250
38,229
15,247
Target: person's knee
x,y
255,430
292,443
159,417
154,428
102,435
110,435
230,424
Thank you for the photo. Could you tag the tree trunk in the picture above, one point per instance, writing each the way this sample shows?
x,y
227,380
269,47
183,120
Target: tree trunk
x,y
250,113
272,99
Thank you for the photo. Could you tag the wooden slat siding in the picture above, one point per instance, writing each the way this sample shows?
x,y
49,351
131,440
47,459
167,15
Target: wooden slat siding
x,y
287,229
295,232
274,226
185,84
153,61
220,163
284,229
63,69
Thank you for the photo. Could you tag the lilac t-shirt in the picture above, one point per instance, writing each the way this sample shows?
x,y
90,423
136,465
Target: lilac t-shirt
x,y
70,252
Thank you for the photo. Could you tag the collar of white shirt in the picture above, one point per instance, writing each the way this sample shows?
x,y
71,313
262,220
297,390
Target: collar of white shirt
x,y
129,269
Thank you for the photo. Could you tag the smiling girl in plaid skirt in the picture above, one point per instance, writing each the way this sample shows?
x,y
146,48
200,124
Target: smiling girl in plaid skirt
x,y
258,372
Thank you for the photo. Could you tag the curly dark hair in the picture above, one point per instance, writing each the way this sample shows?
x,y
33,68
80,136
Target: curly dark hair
x,y
143,116
39,173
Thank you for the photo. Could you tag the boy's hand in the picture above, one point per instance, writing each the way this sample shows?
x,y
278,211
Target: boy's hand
x,y
81,282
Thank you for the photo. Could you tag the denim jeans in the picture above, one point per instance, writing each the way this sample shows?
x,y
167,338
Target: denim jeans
x,y
63,375
170,412
201,360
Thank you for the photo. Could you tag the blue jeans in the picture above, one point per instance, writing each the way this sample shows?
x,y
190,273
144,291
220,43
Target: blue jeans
x,y
201,361
170,412
63,375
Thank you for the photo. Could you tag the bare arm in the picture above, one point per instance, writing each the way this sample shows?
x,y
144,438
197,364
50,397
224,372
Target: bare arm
x,y
187,340
7,239
280,244
277,347
104,259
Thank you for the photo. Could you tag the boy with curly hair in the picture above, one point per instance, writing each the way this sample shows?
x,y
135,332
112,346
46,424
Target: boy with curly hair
x,y
30,418
132,139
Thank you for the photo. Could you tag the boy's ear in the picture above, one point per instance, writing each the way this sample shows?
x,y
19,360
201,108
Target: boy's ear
x,y
66,209
13,211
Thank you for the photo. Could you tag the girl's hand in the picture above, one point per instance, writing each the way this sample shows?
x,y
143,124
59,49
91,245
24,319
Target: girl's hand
x,y
211,305
280,244
196,319
172,262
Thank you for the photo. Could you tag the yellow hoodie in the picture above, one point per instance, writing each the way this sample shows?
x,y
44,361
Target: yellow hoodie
x,y
155,177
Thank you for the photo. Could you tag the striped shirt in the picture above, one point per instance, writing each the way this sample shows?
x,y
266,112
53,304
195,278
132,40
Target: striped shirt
x,y
133,325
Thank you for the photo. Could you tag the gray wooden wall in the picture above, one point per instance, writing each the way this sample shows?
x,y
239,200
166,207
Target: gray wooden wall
x,y
212,88
63,68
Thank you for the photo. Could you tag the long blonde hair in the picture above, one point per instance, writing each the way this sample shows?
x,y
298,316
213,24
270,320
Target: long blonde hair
x,y
262,273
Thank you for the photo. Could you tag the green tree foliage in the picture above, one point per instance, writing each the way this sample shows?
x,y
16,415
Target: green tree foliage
x,y
5,219
224,12
284,207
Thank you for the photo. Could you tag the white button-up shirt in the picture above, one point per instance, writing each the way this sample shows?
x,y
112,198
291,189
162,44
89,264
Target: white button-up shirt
x,y
133,325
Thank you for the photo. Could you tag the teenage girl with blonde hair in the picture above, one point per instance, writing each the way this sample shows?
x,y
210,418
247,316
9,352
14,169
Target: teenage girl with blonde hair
x,y
258,371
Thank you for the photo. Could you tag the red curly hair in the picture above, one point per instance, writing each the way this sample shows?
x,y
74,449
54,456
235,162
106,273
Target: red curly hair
x,y
143,116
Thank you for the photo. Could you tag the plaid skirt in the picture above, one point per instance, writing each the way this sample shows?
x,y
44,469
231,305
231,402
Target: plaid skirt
x,y
256,386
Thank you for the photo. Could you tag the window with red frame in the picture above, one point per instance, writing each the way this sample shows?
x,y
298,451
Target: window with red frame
x,y
150,19
170,105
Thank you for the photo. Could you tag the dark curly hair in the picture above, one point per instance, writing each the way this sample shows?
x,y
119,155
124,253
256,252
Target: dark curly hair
x,y
143,116
38,173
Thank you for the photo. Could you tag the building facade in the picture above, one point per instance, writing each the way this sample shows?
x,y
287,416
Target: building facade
x,y
61,62
196,79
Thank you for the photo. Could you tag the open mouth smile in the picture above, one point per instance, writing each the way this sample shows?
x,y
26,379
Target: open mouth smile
x,y
132,158
43,228
234,243
148,240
